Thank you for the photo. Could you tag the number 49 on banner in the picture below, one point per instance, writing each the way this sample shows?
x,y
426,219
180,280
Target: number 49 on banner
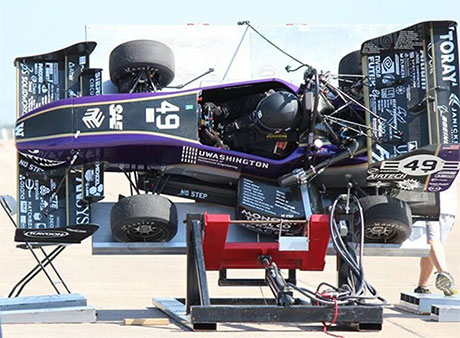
x,y
162,116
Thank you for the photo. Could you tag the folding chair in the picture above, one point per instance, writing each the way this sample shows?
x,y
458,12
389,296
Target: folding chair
x,y
39,238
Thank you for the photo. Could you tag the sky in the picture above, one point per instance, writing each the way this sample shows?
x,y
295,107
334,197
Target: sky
x,y
35,27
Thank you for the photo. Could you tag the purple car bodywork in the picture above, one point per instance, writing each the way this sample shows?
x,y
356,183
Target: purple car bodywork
x,y
153,149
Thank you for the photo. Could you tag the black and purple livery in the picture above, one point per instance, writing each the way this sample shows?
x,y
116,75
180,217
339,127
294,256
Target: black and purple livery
x,y
67,131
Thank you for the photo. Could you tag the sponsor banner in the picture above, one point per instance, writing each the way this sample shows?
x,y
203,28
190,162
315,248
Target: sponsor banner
x,y
412,89
445,51
92,176
41,204
422,170
78,208
258,200
396,70
192,155
91,82
48,199
39,84
442,179
66,234
46,78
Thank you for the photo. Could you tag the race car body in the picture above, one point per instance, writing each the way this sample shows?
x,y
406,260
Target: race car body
x,y
233,143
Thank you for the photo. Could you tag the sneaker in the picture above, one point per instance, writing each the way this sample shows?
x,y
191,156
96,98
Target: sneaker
x,y
445,282
422,289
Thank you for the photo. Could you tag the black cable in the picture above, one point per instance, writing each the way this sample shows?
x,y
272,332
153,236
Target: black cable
x,y
349,257
271,43
344,295
235,53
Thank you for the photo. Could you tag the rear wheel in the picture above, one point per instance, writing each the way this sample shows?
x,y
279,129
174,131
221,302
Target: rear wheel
x,y
350,75
143,218
386,219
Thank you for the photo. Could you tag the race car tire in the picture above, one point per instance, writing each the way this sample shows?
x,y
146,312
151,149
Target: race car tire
x,y
386,219
350,64
143,218
135,55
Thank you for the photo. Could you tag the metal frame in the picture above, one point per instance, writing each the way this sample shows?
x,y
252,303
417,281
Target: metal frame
x,y
201,312
41,264
225,281
104,244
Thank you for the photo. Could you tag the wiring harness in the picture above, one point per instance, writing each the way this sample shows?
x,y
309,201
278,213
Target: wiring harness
x,y
357,291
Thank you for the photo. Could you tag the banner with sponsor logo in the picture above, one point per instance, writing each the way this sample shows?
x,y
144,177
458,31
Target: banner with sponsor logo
x,y
43,79
412,88
429,169
50,197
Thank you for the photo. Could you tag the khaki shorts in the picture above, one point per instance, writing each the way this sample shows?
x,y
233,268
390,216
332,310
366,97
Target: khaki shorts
x,y
440,230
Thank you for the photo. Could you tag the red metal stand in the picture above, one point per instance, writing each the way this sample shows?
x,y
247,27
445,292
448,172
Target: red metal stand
x,y
207,249
219,254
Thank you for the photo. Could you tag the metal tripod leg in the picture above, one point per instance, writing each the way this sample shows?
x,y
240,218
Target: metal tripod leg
x,y
41,265
50,262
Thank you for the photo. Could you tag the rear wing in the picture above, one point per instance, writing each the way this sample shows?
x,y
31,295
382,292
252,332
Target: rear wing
x,y
50,194
413,91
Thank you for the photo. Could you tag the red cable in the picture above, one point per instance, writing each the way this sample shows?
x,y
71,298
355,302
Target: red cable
x,y
336,312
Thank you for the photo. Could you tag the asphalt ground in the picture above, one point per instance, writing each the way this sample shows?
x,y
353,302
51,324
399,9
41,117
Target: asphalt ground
x,y
122,287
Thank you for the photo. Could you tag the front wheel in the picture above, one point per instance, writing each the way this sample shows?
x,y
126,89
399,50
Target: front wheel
x,y
130,58
143,218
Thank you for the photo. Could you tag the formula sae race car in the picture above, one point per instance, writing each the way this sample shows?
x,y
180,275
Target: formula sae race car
x,y
388,133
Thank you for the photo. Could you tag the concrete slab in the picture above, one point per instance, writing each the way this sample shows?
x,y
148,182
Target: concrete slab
x,y
62,315
445,313
42,302
422,303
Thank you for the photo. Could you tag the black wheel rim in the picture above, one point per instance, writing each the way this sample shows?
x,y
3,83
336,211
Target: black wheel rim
x,y
380,232
145,231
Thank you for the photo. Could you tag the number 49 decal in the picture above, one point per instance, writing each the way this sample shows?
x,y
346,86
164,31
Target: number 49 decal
x,y
163,119
420,165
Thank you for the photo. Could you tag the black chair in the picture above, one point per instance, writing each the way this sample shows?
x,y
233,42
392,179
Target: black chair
x,y
37,239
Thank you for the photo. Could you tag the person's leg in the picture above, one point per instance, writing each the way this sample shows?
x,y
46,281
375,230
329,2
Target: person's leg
x,y
426,263
426,269
444,280
437,233
437,255
436,259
